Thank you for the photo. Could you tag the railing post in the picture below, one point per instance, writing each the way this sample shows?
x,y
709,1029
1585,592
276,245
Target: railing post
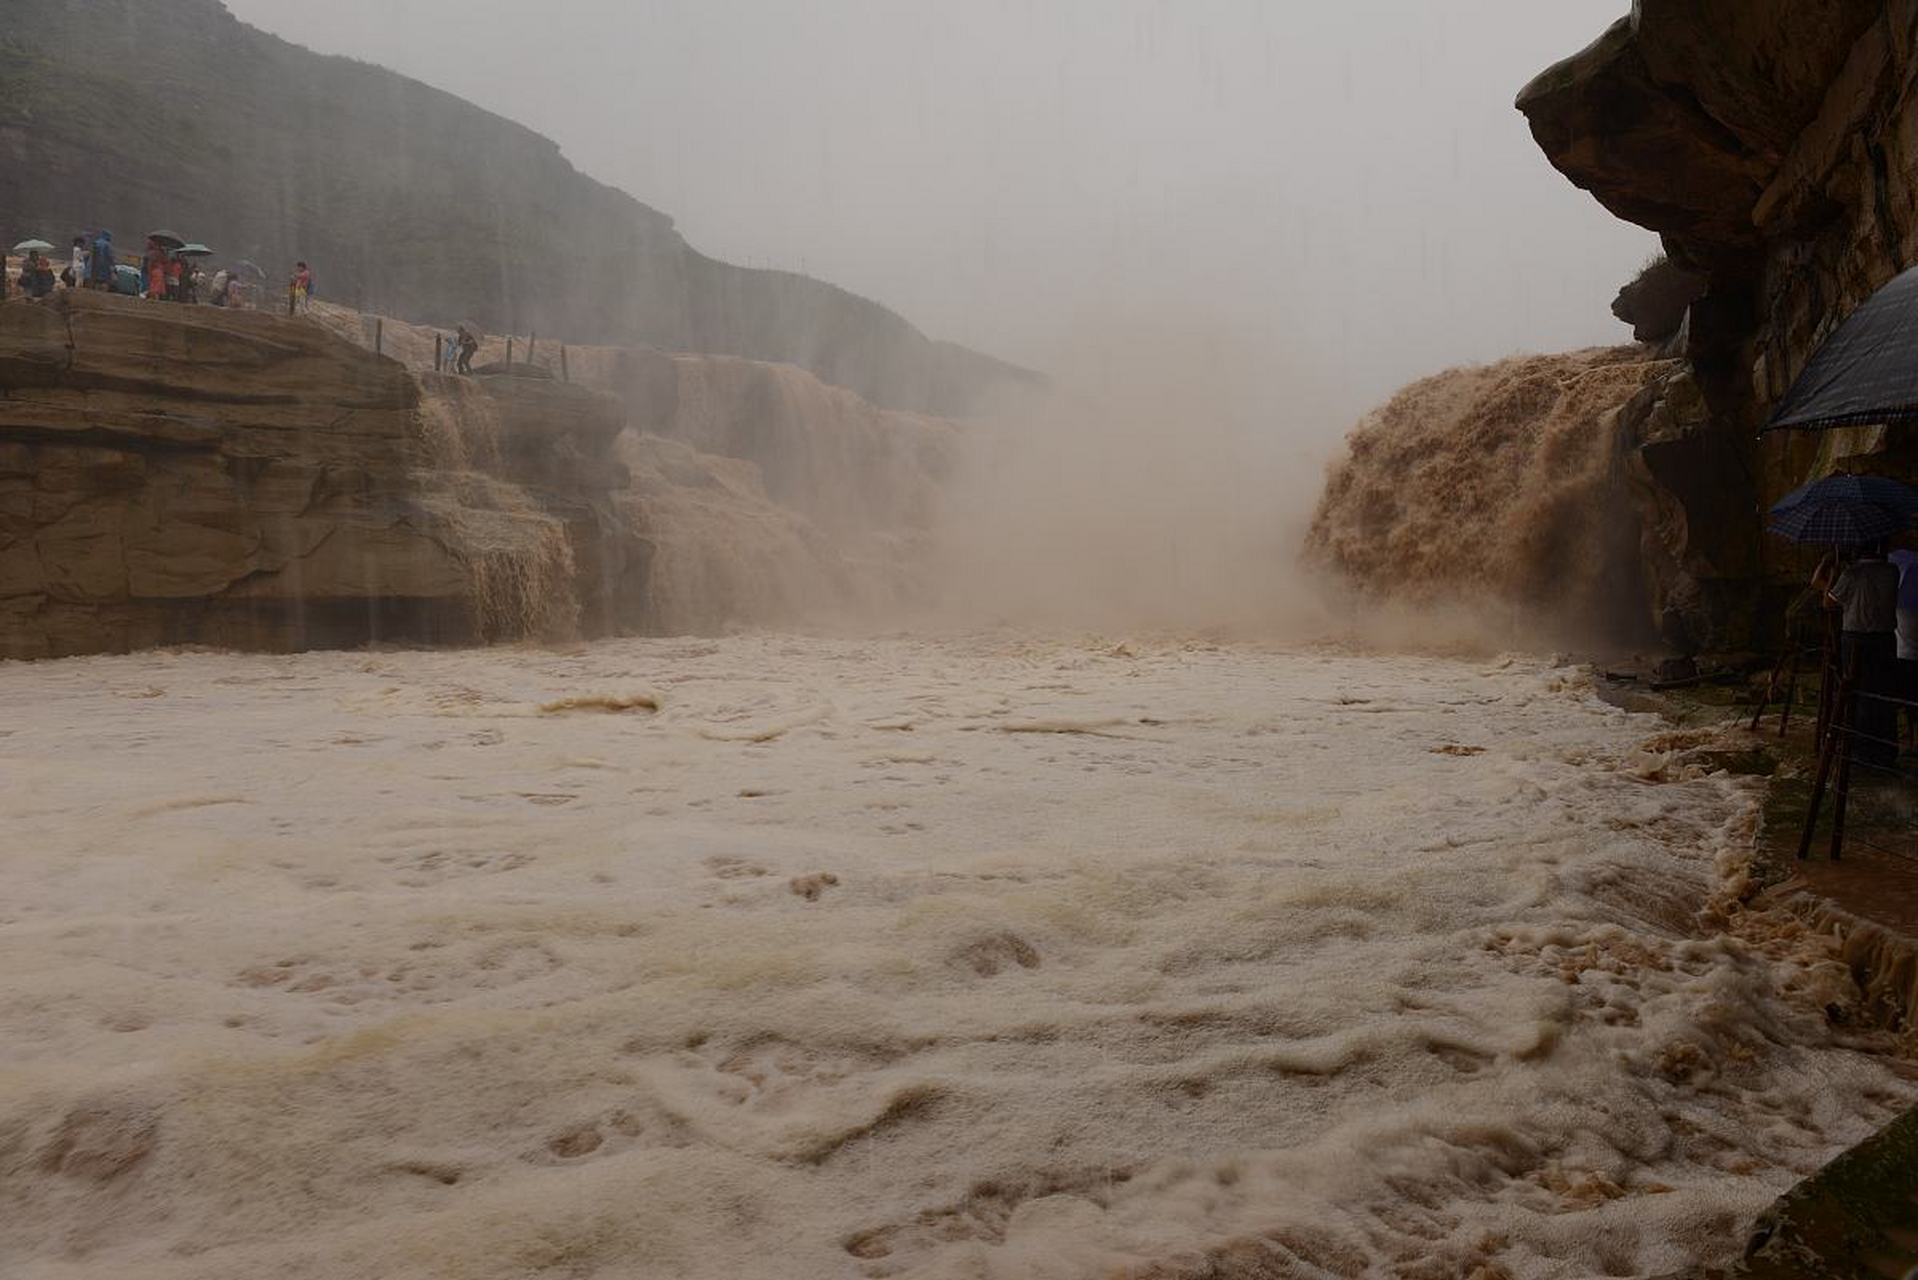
x,y
1834,740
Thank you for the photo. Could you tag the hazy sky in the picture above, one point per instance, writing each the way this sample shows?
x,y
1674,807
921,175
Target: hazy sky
x,y
1346,185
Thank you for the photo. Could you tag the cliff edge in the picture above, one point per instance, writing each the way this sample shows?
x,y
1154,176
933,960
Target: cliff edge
x,y
1773,145
409,201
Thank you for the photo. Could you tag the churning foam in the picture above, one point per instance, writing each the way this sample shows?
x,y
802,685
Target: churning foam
x,y
779,957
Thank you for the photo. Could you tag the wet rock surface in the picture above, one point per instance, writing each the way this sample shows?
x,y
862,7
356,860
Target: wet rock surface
x,y
180,475
1774,147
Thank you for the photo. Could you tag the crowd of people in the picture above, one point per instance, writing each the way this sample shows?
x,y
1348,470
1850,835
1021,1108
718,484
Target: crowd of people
x,y
166,270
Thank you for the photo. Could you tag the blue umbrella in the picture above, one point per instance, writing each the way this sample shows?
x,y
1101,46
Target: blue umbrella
x,y
1845,511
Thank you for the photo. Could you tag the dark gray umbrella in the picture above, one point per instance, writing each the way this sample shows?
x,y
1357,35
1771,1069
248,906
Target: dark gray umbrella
x,y
1867,371
166,238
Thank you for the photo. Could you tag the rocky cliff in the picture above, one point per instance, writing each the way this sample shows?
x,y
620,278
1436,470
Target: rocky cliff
x,y
135,113
173,475
187,475
1773,144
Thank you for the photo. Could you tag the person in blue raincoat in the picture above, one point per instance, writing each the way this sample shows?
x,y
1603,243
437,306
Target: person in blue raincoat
x,y
100,265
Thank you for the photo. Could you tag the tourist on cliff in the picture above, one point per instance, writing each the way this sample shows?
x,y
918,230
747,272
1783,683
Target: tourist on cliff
x,y
469,345
216,293
75,275
100,262
36,275
1867,592
155,268
299,290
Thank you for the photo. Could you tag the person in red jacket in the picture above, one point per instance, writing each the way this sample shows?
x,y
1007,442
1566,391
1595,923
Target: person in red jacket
x,y
299,290
156,270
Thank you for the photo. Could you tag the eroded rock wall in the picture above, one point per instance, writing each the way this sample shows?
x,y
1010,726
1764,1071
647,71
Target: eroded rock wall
x,y
180,475
762,495
1773,144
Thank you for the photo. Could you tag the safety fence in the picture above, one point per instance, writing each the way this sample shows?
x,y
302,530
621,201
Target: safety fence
x,y
1844,745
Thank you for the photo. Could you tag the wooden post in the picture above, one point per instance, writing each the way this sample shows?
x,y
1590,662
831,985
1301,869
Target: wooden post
x,y
1836,740
565,375
439,351
1841,738
1828,679
379,335
1817,799
509,353
532,345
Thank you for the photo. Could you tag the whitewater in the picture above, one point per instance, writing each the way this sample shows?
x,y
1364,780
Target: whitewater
x,y
985,957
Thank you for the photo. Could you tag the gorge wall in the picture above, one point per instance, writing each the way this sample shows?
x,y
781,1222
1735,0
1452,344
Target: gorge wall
x,y
174,475
1773,144
131,114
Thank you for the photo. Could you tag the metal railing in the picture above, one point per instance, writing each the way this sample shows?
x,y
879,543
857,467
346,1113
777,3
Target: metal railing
x,y
1844,746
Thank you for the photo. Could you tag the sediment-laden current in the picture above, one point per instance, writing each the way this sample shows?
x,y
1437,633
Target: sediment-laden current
x,y
780,957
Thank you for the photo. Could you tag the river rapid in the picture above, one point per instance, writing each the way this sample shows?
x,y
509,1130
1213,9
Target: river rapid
x,y
780,957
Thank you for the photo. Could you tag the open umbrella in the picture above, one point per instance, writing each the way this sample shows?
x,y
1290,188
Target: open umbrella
x,y
1867,371
193,251
166,238
1845,511
246,266
33,246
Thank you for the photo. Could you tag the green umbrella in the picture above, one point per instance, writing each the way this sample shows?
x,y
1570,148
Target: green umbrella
x,y
33,246
193,251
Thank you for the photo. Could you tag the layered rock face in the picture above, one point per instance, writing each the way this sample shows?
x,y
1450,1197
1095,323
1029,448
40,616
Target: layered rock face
x,y
1774,146
175,475
185,475
763,495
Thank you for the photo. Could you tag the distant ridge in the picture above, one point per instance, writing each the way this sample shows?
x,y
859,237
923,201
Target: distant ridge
x,y
407,200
